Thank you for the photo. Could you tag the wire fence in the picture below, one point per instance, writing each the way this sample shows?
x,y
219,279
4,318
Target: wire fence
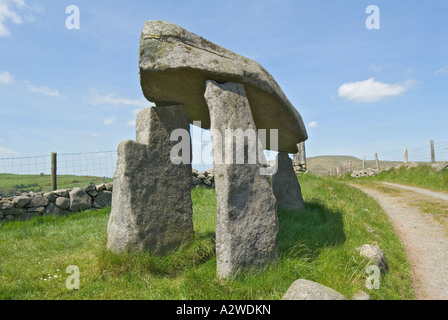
x,y
26,165
100,164
433,152
103,164
415,154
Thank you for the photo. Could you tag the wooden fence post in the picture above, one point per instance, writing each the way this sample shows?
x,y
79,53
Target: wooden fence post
x,y
377,162
54,180
433,152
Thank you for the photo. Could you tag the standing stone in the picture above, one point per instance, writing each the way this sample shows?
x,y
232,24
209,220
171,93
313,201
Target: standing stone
x,y
247,224
79,200
286,186
151,201
301,155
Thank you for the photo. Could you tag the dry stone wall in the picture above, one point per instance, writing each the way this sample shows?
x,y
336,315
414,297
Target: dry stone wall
x,y
66,201
299,167
203,179
59,202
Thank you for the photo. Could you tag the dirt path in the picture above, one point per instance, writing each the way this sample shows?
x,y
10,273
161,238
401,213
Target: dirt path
x,y
425,241
438,195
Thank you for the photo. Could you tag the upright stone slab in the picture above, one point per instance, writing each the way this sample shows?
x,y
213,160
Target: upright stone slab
x,y
286,186
247,224
151,201
301,155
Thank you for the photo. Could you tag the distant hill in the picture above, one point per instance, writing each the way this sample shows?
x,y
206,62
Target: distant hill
x,y
321,165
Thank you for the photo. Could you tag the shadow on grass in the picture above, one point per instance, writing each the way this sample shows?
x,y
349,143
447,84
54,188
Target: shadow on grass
x,y
303,233
171,265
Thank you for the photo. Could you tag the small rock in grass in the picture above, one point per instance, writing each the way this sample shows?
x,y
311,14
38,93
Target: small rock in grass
x,y
309,290
374,254
361,295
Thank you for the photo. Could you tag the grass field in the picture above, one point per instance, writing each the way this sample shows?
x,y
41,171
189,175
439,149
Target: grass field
x,y
317,244
422,176
11,184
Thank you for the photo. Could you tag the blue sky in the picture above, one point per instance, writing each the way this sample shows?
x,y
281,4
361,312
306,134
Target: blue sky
x,y
359,91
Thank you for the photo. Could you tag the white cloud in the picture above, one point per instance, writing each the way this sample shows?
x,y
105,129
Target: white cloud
x,y
369,91
8,12
312,124
109,121
6,78
439,71
131,123
43,90
6,151
113,100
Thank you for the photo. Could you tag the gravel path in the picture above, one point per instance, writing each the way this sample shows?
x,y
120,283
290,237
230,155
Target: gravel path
x,y
425,241
438,195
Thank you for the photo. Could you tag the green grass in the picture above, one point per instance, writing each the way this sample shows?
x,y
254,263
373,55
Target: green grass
x,y
11,184
422,176
317,244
